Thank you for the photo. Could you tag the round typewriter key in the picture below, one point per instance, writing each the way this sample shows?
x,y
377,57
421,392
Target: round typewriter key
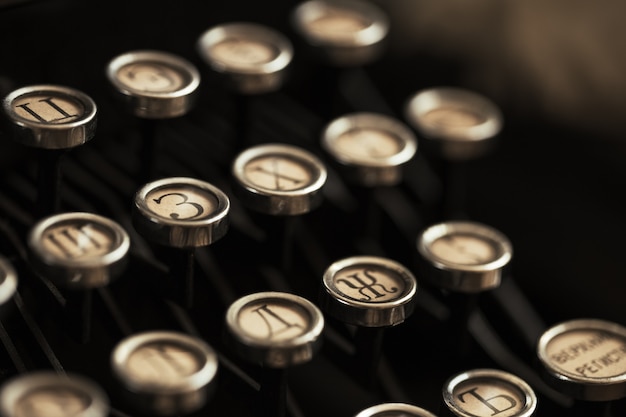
x,y
373,147
274,330
51,116
279,179
394,410
165,373
47,394
8,280
154,84
465,256
343,33
372,293
459,124
488,392
51,119
585,359
368,291
183,213
78,250
253,58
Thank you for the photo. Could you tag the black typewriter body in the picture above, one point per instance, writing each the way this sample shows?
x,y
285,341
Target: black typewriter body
x,y
553,192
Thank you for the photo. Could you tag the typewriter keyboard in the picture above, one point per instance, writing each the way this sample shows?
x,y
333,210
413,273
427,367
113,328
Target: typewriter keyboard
x,y
258,209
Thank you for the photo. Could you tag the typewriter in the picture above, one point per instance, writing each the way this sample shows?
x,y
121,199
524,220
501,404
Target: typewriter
x,y
166,260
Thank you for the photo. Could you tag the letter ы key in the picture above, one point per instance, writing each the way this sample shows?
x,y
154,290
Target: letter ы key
x,y
153,85
274,330
371,293
487,393
585,359
279,180
48,394
50,119
184,214
394,410
165,373
78,252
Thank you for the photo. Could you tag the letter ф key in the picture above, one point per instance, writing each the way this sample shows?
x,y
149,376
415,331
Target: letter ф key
x,y
487,393
276,331
78,252
585,359
153,86
51,119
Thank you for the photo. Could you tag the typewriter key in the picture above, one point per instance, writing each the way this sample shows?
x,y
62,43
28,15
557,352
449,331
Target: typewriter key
x,y
274,330
585,359
48,394
183,213
488,392
371,293
51,119
459,124
79,252
251,57
8,280
394,410
165,373
342,33
464,256
464,259
153,85
372,147
279,180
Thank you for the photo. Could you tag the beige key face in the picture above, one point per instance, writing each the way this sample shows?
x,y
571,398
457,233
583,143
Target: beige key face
x,y
79,240
464,249
368,144
273,320
369,283
244,52
278,173
337,24
52,402
487,397
152,77
162,362
48,107
588,353
452,118
181,202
